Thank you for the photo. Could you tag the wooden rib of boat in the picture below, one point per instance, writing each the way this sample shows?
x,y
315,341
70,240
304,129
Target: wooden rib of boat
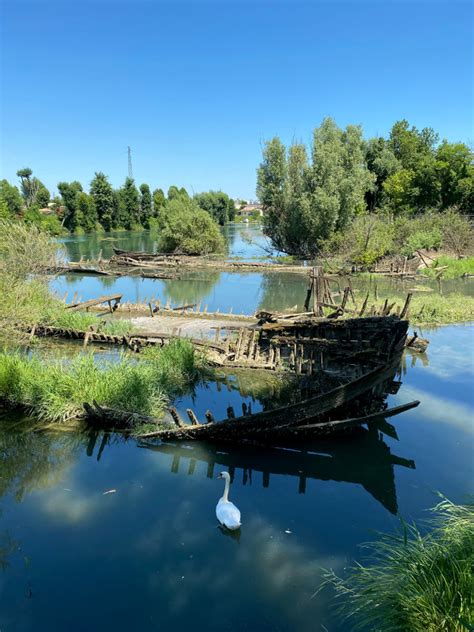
x,y
322,414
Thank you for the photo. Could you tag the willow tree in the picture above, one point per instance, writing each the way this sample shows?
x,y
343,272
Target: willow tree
x,y
271,182
304,203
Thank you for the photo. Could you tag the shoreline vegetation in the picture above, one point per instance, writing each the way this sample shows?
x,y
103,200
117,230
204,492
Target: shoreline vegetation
x,y
54,391
421,583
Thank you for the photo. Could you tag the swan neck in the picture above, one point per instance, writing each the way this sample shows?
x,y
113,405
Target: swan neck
x,y
225,497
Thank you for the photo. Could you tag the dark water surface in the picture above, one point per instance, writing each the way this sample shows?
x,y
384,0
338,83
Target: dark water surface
x,y
241,292
149,555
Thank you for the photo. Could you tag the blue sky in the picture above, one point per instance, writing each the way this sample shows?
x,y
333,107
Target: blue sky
x,y
195,88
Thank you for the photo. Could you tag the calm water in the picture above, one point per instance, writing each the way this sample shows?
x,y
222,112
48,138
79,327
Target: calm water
x,y
243,293
149,556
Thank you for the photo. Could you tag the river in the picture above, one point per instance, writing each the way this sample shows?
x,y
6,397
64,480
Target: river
x,y
100,533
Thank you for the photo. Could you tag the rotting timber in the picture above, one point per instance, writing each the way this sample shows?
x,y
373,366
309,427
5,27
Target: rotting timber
x,y
358,356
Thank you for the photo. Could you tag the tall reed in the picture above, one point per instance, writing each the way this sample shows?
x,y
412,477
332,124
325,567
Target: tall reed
x,y
414,582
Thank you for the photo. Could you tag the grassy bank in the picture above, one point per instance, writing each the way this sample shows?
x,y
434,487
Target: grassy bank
x,y
55,390
414,582
450,268
56,315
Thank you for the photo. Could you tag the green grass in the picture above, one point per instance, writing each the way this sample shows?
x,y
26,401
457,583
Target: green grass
x,y
55,390
429,308
56,315
433,309
455,267
414,583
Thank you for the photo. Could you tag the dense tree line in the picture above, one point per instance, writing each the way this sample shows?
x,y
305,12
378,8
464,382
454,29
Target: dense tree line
x,y
103,207
309,199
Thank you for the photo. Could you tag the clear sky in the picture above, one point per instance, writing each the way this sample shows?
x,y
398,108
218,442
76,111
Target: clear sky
x,y
195,88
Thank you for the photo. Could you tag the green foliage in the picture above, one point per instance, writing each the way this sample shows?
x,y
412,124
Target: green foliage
x,y
10,195
217,204
186,229
43,196
422,239
305,204
382,162
368,239
145,205
452,268
415,582
103,199
457,233
158,201
54,391
86,212
130,213
69,193
24,252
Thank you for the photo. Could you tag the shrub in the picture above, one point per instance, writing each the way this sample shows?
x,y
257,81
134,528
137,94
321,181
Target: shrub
x,y
365,241
422,239
457,234
184,228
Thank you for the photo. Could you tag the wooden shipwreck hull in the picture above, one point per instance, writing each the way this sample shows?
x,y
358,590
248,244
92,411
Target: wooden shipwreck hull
x,y
321,415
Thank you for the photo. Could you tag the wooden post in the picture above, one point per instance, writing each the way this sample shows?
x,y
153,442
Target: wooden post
x,y
364,305
86,339
344,298
218,334
176,418
192,417
318,283
151,310
405,309
209,417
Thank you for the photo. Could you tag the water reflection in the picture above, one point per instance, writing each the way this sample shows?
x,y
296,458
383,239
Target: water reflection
x,y
364,459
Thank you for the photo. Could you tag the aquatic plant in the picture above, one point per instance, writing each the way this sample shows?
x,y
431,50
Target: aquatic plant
x,y
55,390
421,583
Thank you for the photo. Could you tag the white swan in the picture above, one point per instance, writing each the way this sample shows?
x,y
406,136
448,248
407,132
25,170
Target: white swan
x,y
226,512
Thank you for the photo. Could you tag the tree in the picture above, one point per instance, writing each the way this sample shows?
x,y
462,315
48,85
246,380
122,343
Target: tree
x,y
410,145
145,205
43,196
185,228
304,204
10,195
231,210
382,162
29,186
130,212
69,193
158,201
455,173
86,212
103,199
174,193
216,203
271,179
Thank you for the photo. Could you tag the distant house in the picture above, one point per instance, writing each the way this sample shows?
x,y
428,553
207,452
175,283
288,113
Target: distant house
x,y
250,210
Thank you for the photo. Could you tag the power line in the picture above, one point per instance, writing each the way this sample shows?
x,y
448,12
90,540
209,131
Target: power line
x,y
130,170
